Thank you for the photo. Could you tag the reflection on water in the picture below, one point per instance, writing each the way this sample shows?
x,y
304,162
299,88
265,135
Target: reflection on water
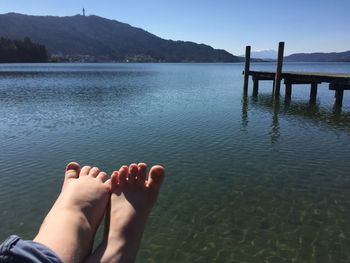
x,y
334,118
249,179
310,230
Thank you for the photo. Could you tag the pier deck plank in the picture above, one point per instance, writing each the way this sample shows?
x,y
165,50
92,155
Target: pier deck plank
x,y
309,77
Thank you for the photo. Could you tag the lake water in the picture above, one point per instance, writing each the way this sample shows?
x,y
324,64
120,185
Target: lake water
x,y
249,179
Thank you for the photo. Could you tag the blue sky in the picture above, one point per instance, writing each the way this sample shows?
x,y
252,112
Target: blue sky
x,y
305,26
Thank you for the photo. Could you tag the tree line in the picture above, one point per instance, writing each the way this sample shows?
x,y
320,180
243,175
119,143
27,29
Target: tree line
x,y
12,51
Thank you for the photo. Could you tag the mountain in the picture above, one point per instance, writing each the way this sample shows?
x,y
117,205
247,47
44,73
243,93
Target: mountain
x,y
268,54
319,57
98,38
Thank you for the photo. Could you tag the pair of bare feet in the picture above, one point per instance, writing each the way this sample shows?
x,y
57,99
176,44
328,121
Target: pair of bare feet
x,y
87,193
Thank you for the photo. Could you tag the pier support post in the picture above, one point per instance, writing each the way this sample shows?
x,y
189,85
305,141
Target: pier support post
x,y
288,90
246,69
313,92
338,97
277,86
255,85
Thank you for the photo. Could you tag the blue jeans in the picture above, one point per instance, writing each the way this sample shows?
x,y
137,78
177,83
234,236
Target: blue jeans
x,y
15,250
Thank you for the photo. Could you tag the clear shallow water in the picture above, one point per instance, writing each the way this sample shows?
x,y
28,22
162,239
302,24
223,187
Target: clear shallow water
x,y
248,179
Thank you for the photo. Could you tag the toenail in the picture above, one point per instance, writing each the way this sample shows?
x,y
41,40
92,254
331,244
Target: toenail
x,y
71,171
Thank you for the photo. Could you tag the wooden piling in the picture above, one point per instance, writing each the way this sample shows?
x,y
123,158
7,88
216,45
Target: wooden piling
x,y
246,68
339,92
338,97
313,92
277,86
255,85
288,90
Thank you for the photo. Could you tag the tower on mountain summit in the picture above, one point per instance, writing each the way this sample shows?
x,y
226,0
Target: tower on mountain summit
x,y
83,11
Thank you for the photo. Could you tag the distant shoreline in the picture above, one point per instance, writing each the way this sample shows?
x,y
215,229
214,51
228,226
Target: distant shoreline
x,y
126,63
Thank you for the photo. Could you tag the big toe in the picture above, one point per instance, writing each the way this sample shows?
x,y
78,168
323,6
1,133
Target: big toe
x,y
156,177
72,170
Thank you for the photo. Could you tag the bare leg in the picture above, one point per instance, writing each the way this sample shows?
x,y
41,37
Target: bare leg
x,y
70,226
132,199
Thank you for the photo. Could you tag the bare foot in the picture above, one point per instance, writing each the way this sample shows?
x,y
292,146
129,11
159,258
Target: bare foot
x,y
132,199
70,226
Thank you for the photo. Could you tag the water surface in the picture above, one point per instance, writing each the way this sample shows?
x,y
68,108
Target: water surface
x,y
249,179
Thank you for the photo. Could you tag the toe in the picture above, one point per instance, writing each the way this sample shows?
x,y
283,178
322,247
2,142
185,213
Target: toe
x,y
142,172
72,170
133,171
85,170
102,176
155,178
114,180
94,171
122,175
108,182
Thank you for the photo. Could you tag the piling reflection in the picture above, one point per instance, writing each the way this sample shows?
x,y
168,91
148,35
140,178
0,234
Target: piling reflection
x,y
275,126
332,118
244,111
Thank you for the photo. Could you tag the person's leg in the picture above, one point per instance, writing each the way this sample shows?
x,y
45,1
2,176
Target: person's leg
x,y
15,249
132,198
70,226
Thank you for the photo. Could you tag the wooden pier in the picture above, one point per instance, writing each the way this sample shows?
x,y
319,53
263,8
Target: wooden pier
x,y
337,82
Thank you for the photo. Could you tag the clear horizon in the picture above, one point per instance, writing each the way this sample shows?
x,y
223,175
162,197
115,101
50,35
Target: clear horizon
x,y
315,26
